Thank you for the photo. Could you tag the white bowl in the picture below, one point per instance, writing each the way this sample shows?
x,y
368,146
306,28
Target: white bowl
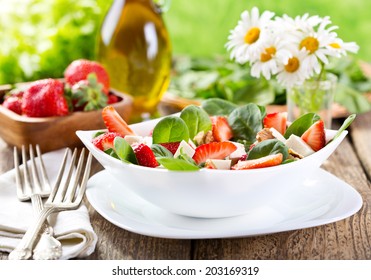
x,y
208,193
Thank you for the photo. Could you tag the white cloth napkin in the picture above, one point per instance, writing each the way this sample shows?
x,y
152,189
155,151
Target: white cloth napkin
x,y
72,228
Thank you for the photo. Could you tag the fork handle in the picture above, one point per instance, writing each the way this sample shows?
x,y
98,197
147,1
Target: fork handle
x,y
23,251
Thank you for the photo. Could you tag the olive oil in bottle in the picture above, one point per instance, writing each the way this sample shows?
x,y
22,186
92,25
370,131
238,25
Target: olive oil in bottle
x,y
134,46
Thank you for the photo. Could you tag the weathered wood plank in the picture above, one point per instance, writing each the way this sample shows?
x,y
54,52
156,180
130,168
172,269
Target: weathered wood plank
x,y
361,136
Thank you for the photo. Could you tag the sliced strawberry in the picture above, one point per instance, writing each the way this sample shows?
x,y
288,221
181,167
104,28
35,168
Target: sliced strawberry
x,y
144,155
267,161
315,136
105,140
221,129
276,120
114,122
171,146
213,150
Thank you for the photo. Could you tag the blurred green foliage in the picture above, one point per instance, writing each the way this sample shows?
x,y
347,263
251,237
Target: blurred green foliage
x,y
40,38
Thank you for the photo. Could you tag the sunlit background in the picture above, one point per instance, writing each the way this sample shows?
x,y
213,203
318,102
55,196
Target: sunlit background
x,y
39,38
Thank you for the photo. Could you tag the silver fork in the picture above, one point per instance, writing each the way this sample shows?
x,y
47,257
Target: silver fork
x,y
31,187
67,194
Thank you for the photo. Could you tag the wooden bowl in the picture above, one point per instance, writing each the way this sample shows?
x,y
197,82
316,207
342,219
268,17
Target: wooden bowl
x,y
52,133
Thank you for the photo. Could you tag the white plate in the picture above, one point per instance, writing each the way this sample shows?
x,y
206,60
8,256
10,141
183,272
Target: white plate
x,y
321,200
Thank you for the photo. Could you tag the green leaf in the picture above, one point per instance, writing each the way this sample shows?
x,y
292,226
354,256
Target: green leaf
x,y
217,107
268,147
351,99
124,151
196,119
300,125
177,164
344,126
161,151
170,129
246,122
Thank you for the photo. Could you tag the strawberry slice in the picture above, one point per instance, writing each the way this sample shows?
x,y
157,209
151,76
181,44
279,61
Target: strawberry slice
x,y
315,136
277,120
221,129
105,140
213,150
171,146
114,122
144,155
267,161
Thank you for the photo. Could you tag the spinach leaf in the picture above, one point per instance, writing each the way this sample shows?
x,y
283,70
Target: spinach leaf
x,y
300,125
177,164
124,151
112,153
170,129
161,151
196,119
217,106
246,122
268,147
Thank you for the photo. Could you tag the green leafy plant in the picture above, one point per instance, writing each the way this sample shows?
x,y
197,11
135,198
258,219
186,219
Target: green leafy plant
x,y
208,78
40,38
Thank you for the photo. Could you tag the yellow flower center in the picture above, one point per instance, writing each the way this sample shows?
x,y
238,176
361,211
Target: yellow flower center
x,y
269,52
252,35
310,43
335,45
292,65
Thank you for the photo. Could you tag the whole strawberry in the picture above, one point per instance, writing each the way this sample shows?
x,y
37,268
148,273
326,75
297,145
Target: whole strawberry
x,y
44,98
13,101
79,70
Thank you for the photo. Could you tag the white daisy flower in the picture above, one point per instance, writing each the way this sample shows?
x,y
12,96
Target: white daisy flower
x,y
294,73
245,38
342,47
274,51
301,23
316,42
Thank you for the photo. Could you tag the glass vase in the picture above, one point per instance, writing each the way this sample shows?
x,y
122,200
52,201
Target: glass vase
x,y
313,96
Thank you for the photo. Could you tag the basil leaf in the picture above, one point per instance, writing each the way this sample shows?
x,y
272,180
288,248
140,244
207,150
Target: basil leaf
x,y
300,125
177,164
124,151
246,122
196,119
218,107
161,151
170,129
268,147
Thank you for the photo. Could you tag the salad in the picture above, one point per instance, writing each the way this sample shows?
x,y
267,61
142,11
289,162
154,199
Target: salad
x,y
216,135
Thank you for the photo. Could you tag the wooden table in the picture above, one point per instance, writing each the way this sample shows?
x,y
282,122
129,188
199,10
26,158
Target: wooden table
x,y
346,239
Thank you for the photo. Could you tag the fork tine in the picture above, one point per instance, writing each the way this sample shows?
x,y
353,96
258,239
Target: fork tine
x,y
27,181
63,190
18,178
59,177
77,176
46,183
35,176
84,181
